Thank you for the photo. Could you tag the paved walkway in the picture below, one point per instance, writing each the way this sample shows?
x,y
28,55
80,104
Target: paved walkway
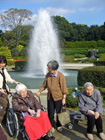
x,y
77,133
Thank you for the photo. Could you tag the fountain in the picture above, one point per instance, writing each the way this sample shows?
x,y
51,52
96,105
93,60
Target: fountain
x,y
43,46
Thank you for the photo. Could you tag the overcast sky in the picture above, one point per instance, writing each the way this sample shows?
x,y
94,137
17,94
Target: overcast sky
x,y
90,12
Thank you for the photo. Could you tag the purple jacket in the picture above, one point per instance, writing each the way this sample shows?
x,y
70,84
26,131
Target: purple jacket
x,y
19,104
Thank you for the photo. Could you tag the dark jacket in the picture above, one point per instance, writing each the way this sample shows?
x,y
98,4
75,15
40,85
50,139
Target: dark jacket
x,y
19,104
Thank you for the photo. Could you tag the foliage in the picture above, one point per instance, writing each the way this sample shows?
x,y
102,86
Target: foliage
x,y
10,62
68,58
79,56
24,52
99,63
13,19
15,52
70,101
20,66
19,47
9,39
5,52
0,42
95,75
73,51
20,58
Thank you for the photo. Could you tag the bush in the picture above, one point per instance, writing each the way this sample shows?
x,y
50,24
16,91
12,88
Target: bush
x,y
79,56
95,75
24,52
74,51
20,66
5,52
15,52
99,63
71,102
10,62
68,58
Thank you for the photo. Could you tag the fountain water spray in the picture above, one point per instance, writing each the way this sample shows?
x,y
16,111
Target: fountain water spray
x,y
43,46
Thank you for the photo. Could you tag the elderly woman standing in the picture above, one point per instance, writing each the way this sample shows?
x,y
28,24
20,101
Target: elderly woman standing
x,y
90,104
57,90
36,122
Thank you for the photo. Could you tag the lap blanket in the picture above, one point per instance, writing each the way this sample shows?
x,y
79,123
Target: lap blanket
x,y
37,127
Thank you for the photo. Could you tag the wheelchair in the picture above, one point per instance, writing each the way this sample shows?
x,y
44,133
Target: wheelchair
x,y
14,123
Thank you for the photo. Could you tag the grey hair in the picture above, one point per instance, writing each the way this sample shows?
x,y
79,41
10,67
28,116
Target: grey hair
x,y
88,84
19,87
53,64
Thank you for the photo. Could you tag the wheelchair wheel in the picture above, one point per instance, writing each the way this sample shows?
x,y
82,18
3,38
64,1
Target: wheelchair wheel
x,y
12,123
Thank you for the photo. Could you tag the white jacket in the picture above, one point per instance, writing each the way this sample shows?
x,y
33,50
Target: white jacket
x,y
7,78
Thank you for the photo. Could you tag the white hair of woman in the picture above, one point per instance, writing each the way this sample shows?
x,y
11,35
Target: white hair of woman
x,y
87,84
20,87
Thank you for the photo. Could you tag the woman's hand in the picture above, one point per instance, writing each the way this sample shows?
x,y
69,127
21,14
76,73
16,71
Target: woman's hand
x,y
38,113
96,115
15,82
38,94
31,111
3,91
63,101
90,111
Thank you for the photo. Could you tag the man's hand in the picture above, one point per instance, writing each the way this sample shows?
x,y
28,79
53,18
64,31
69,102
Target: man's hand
x,y
91,112
96,115
31,111
3,91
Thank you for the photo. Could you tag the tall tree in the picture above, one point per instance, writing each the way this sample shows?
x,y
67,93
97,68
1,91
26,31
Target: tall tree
x,y
14,19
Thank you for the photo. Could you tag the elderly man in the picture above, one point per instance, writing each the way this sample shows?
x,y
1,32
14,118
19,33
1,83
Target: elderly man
x,y
90,104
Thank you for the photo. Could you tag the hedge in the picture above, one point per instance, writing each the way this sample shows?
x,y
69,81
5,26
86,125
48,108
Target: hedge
x,y
99,63
95,74
20,65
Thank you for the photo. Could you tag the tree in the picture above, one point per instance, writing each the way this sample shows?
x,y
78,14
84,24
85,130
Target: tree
x,y
14,19
5,52
19,47
0,42
15,52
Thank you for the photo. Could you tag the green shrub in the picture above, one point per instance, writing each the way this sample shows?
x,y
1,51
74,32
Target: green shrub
x,y
102,58
79,56
95,75
5,52
74,51
24,52
70,101
99,63
15,52
20,65
20,58
99,55
68,58
10,62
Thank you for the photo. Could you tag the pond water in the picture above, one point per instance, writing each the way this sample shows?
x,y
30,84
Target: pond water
x,y
35,82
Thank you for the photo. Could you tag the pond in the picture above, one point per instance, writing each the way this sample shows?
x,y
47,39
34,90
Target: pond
x,y
36,82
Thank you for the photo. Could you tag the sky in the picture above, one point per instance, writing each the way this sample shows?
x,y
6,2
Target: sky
x,y
89,12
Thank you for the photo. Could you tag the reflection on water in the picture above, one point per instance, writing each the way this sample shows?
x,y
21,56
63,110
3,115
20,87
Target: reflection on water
x,y
35,82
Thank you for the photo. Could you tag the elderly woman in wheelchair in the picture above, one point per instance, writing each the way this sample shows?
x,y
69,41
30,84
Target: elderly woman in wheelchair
x,y
36,122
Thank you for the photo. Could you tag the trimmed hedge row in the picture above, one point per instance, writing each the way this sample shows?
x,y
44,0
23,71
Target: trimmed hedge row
x,y
95,74
20,65
99,63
